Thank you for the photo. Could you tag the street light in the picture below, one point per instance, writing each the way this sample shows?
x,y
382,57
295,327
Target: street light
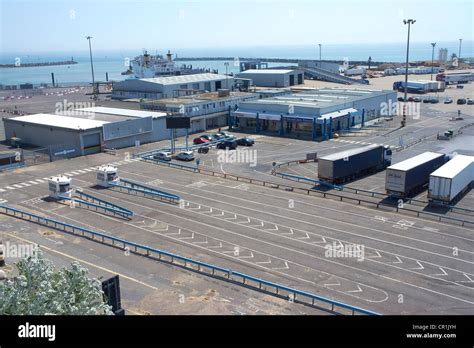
x,y
404,119
92,68
226,67
432,59
459,55
319,55
90,52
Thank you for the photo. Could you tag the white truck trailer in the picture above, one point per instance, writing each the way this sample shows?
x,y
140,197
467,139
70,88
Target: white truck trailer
x,y
448,182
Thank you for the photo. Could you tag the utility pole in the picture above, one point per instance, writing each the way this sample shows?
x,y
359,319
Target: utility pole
x,y
404,117
320,56
94,91
459,55
432,59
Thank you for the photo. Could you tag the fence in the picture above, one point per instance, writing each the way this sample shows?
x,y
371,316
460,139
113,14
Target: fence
x,y
332,195
278,290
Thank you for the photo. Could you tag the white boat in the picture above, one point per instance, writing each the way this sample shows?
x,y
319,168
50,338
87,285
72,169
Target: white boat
x,y
147,65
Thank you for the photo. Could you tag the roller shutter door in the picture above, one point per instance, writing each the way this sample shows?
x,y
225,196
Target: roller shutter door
x,y
91,143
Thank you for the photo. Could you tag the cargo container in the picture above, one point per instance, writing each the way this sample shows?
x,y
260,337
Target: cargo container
x,y
411,176
455,77
347,165
449,181
420,86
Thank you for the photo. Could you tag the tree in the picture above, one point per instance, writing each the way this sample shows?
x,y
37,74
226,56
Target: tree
x,y
40,289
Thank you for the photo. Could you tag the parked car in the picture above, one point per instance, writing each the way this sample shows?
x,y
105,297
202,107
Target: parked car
x,y
448,101
162,156
226,135
230,144
203,149
200,140
218,136
245,141
208,137
185,156
417,99
410,99
470,101
461,101
427,100
434,100
400,99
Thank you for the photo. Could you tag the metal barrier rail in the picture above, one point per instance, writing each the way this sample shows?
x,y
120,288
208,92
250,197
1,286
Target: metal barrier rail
x,y
96,206
396,208
104,203
169,163
136,187
227,274
314,181
384,195
190,147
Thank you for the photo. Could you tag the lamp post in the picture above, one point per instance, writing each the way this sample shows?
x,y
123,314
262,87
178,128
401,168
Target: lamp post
x,y
92,67
319,55
432,58
226,67
404,118
459,55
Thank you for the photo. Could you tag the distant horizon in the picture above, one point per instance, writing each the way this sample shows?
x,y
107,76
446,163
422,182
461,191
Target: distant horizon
x,y
439,44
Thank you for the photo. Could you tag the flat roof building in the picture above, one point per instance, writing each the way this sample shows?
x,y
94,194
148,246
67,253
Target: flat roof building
x,y
171,86
329,109
89,130
273,77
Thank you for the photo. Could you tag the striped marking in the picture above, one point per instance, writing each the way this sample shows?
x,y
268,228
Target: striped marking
x,y
9,187
18,186
33,182
40,180
68,174
2,190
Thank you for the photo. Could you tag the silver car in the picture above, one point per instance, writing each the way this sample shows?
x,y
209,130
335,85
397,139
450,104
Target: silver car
x,y
185,156
162,156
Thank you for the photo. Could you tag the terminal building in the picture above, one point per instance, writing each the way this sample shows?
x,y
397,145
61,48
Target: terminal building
x,y
207,110
273,77
312,113
171,86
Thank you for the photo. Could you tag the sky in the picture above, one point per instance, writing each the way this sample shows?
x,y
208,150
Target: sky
x,y
60,25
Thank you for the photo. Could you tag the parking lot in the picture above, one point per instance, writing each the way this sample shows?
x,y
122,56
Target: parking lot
x,y
408,265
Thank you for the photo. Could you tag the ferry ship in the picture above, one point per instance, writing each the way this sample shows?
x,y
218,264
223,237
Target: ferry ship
x,y
147,65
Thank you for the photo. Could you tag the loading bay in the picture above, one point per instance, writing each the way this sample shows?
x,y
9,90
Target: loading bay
x,y
412,264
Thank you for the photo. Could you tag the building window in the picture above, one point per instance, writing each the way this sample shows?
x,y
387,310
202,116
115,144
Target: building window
x,y
195,85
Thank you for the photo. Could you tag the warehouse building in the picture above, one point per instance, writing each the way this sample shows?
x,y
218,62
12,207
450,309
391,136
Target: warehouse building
x,y
170,86
313,113
273,77
89,130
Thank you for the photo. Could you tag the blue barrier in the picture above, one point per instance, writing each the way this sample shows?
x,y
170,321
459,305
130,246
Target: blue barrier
x,y
169,163
228,274
191,147
314,181
136,187
102,204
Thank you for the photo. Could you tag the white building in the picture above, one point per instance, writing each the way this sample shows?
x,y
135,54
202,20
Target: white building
x,y
170,86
